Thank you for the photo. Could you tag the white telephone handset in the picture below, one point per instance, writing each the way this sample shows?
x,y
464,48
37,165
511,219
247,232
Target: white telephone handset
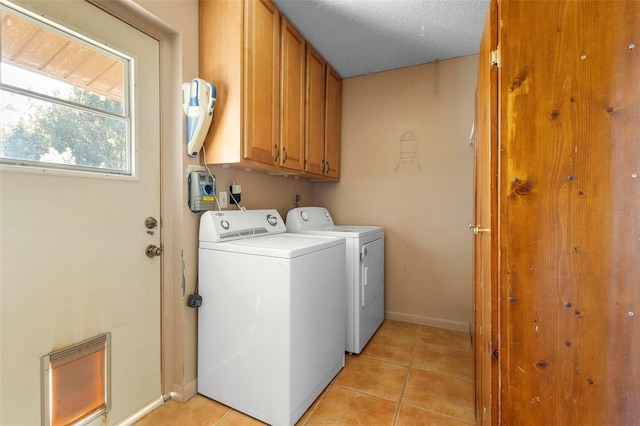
x,y
199,99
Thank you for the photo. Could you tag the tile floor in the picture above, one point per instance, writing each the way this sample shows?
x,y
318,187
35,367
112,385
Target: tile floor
x,y
408,374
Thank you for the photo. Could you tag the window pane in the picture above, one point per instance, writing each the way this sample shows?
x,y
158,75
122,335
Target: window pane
x,y
41,60
42,131
63,98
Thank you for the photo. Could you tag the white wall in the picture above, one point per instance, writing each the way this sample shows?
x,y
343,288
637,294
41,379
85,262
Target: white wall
x,y
425,210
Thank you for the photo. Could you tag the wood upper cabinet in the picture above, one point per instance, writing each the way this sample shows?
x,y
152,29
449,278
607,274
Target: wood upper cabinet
x,y
323,112
278,103
240,54
292,92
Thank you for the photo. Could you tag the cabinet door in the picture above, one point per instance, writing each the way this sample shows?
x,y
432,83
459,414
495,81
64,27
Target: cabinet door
x,y
261,81
314,129
333,107
292,97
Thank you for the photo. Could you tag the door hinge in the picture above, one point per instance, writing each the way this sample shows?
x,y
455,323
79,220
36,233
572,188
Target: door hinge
x,y
495,58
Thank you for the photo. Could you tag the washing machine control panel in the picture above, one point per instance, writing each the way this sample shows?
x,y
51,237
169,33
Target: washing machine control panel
x,y
217,226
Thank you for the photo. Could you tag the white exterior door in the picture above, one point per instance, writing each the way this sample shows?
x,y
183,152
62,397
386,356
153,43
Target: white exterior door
x,y
72,249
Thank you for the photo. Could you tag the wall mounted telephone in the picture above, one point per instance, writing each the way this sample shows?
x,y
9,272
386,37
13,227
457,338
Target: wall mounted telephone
x,y
199,99
202,191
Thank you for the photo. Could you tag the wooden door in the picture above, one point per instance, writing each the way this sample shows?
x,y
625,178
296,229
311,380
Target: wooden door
x,y
485,226
314,131
261,81
569,212
292,85
333,109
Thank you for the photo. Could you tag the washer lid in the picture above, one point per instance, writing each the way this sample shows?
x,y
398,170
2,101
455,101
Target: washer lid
x,y
286,246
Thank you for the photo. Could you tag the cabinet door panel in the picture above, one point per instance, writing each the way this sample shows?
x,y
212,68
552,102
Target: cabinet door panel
x,y
333,109
261,83
314,132
292,97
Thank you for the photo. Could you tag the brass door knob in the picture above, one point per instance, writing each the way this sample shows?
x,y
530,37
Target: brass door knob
x,y
153,251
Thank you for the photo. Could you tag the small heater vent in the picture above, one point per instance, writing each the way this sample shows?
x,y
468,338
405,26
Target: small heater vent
x,y
76,382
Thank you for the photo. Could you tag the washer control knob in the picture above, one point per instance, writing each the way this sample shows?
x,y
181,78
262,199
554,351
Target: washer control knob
x,y
304,216
273,221
224,224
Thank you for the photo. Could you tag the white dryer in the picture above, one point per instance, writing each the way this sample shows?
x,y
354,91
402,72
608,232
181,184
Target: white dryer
x,y
271,325
364,270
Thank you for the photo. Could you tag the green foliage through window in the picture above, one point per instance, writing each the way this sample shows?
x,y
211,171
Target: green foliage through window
x,y
53,133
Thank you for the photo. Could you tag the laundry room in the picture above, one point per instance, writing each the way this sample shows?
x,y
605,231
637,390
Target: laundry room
x,y
405,165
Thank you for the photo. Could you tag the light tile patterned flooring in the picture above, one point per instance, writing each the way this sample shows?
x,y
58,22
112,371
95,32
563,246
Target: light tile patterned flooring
x,y
408,374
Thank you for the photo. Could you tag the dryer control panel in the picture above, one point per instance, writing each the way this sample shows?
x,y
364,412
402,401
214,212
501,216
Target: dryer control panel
x,y
307,218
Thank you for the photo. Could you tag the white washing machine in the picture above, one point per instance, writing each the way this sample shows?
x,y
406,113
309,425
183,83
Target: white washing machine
x,y
364,270
271,325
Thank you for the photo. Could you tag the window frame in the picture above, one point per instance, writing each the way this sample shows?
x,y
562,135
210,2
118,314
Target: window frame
x,y
127,116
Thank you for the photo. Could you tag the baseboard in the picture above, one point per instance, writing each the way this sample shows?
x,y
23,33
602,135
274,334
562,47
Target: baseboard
x,y
142,412
180,394
184,393
432,322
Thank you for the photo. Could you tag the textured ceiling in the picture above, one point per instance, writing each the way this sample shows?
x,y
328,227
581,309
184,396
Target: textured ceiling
x,y
363,36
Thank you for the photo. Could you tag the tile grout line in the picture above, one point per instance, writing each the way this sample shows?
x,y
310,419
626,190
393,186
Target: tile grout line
x,y
319,399
227,414
406,380
417,407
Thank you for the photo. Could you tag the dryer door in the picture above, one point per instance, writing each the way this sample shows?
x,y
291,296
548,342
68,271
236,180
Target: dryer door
x,y
372,255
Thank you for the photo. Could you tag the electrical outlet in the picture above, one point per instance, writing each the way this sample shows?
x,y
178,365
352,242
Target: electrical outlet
x,y
223,201
296,198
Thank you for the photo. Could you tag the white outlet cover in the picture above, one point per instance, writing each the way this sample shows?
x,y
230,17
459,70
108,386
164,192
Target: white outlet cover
x,y
222,199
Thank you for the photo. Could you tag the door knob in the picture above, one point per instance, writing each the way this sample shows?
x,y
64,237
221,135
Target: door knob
x,y
153,251
150,222
477,229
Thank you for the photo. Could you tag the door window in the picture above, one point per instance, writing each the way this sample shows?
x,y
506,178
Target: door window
x,y
64,98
